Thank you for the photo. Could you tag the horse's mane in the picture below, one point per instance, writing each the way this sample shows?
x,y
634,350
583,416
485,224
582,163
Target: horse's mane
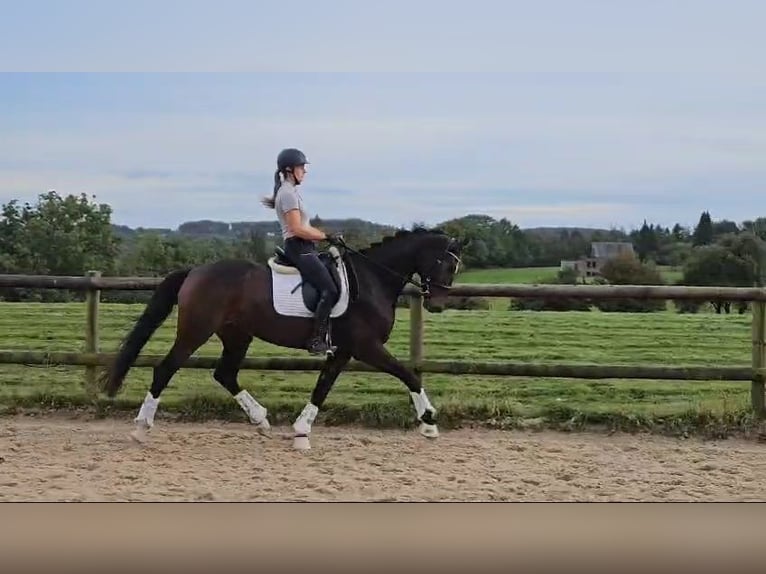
x,y
401,234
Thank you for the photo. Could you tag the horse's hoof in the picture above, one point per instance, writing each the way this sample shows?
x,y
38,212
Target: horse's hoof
x,y
301,443
139,434
429,431
264,428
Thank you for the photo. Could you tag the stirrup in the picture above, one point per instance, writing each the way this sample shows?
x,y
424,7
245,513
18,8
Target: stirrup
x,y
318,347
320,342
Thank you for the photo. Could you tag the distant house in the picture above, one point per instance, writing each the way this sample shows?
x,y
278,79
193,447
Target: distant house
x,y
601,252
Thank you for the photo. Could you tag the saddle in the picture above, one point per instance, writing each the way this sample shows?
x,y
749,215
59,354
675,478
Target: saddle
x,y
287,277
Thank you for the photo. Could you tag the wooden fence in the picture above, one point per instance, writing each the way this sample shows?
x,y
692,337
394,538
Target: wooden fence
x,y
91,359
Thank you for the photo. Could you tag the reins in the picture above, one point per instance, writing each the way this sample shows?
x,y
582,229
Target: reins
x,y
425,288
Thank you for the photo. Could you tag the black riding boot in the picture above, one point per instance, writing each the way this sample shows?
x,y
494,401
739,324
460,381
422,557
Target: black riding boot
x,y
317,345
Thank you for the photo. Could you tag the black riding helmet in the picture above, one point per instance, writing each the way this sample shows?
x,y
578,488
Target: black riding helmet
x,y
290,158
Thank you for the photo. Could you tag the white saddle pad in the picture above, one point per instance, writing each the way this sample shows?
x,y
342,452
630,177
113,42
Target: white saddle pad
x,y
288,299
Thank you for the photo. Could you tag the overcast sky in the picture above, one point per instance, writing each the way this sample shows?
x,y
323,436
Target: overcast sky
x,y
567,112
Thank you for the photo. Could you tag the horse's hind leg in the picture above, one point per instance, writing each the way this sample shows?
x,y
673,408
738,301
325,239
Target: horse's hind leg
x,y
190,336
235,345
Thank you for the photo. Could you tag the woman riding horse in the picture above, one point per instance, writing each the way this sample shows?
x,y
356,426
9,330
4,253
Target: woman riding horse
x,y
300,239
233,299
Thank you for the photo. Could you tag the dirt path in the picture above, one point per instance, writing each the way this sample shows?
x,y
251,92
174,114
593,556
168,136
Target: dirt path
x,y
55,459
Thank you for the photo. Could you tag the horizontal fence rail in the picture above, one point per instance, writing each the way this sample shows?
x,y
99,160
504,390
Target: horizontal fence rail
x,y
512,369
666,292
93,283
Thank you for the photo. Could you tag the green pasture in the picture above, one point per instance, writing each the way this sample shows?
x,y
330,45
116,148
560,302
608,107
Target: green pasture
x,y
508,275
531,275
380,400
537,274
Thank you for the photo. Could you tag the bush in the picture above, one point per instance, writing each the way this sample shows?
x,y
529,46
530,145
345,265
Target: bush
x,y
460,303
688,306
627,270
467,303
564,277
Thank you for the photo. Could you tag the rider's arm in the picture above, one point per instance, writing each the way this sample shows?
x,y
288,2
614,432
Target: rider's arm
x,y
293,219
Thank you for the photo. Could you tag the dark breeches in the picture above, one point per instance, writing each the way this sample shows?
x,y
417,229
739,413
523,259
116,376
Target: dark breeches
x,y
304,254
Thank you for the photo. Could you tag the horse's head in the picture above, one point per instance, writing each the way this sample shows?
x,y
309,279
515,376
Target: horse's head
x,y
437,264
432,254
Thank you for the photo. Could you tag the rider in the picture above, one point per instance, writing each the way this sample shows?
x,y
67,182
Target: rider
x,y
300,240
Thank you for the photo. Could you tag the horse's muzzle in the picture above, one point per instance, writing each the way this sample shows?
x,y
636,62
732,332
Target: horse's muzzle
x,y
433,306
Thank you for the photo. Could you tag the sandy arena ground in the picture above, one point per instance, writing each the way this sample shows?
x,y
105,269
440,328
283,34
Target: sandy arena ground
x,y
59,459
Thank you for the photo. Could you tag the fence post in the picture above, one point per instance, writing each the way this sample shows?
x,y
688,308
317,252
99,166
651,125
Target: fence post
x,y
92,298
757,396
416,331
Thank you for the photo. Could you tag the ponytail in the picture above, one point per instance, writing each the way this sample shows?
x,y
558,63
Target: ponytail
x,y
270,202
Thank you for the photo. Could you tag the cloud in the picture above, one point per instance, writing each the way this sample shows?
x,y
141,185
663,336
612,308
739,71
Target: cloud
x,y
583,214
394,148
522,37
527,151
146,174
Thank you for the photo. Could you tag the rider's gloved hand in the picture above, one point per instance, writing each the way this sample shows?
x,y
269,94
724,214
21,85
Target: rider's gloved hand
x,y
334,239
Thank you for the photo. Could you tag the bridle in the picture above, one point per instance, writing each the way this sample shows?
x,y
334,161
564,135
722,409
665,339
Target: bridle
x,y
425,289
425,286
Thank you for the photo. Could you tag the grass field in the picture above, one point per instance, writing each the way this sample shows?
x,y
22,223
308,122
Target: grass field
x,y
531,275
509,275
536,274
376,399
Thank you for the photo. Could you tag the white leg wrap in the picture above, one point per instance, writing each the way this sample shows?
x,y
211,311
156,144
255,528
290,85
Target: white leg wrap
x,y
148,410
421,402
302,425
255,411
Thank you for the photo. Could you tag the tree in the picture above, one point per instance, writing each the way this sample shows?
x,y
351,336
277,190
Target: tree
x,y
734,261
628,270
476,254
253,247
756,227
646,242
148,256
679,233
703,233
205,227
57,236
724,227
674,254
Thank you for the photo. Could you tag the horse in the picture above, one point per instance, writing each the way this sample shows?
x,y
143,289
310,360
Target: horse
x,y
239,300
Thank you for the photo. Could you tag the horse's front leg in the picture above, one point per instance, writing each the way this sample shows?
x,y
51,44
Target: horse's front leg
x,y
376,355
327,377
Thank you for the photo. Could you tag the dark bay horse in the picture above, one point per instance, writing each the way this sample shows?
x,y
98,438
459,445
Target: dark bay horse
x,y
234,299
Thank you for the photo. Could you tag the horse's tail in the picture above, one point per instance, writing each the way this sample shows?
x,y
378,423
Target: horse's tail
x,y
157,310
